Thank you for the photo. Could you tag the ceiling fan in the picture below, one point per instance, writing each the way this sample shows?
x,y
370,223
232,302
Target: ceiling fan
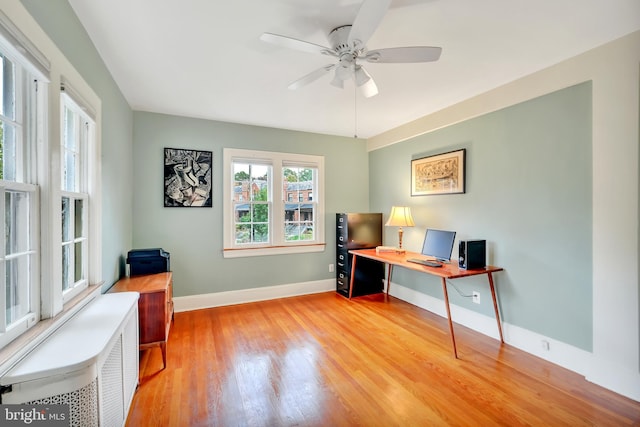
x,y
348,45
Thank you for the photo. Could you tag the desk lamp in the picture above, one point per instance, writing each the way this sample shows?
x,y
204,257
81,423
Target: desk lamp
x,y
400,217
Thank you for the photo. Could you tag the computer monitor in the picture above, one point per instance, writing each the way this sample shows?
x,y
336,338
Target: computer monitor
x,y
438,244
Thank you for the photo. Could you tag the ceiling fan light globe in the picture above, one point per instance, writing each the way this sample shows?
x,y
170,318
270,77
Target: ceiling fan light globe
x,y
337,82
361,76
344,72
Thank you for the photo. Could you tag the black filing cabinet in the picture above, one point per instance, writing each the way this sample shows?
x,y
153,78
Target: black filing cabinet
x,y
358,231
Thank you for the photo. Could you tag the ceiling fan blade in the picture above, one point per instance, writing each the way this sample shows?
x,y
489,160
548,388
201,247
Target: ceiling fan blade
x,y
291,43
367,20
404,54
311,77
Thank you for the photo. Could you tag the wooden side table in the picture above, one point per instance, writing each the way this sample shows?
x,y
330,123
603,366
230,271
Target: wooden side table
x,y
155,307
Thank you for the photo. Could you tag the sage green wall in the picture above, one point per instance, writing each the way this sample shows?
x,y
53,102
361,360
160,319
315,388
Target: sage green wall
x,y
193,236
528,193
62,26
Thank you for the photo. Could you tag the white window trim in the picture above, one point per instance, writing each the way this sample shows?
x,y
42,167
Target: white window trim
x,y
11,332
30,85
72,96
86,139
277,246
24,42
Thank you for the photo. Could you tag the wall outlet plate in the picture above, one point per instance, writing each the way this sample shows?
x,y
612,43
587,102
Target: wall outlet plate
x,y
476,297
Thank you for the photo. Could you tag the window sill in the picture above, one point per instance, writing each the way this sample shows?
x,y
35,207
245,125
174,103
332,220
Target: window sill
x,y
21,346
273,250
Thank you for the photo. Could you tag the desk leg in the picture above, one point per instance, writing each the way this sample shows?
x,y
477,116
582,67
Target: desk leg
x,y
446,302
495,306
389,272
353,275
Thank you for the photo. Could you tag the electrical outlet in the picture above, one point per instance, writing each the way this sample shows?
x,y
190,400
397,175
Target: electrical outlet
x,y
545,345
331,268
476,297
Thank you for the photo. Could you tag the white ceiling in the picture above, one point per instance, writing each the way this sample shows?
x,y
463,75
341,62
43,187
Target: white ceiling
x,y
204,59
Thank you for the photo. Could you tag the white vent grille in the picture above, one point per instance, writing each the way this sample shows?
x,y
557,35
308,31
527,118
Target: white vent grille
x,y
100,393
111,402
130,358
83,405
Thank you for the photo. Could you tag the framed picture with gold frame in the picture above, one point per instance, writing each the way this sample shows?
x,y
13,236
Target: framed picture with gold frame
x,y
438,174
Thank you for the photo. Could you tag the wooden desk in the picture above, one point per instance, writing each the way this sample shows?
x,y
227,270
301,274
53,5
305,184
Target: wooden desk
x,y
447,271
155,307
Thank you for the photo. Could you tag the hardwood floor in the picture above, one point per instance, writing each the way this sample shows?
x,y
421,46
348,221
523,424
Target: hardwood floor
x,y
322,360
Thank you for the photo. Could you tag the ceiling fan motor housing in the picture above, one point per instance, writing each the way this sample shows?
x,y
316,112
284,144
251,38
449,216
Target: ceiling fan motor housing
x,y
339,39
347,53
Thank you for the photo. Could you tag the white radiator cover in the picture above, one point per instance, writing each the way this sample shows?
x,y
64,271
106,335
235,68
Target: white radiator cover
x,y
90,363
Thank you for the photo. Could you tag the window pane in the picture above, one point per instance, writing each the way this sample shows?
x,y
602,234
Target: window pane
x,y
17,222
251,181
79,274
243,233
70,119
79,218
298,219
67,278
8,170
298,184
261,233
69,172
70,149
308,231
252,223
260,213
66,220
251,184
17,291
8,105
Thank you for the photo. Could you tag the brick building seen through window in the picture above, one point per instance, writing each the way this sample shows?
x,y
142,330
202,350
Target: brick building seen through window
x,y
295,193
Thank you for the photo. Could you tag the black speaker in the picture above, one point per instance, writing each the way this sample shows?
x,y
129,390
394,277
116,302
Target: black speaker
x,y
472,254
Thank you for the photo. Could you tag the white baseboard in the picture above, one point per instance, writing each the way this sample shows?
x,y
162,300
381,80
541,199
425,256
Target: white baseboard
x,y
218,299
613,376
557,352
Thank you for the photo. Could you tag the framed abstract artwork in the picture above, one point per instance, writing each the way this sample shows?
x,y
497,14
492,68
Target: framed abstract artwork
x,y
438,174
187,178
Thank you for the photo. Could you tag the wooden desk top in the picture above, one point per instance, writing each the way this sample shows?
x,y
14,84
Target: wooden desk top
x,y
143,284
448,271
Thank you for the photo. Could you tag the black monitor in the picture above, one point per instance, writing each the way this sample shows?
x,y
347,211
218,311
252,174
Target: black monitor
x,y
438,244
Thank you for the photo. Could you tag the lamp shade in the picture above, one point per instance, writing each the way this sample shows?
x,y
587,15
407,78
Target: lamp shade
x,y
400,217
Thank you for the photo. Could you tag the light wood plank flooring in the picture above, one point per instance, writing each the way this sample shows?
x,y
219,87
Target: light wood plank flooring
x,y
322,360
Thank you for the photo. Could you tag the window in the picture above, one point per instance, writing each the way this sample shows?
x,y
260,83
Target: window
x,y
77,134
299,217
273,203
49,188
252,207
19,196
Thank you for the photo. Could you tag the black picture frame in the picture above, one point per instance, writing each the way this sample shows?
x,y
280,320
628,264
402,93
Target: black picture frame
x,y
439,174
187,178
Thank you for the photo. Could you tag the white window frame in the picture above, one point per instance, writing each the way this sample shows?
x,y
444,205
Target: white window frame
x,y
85,139
30,101
277,244
50,73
